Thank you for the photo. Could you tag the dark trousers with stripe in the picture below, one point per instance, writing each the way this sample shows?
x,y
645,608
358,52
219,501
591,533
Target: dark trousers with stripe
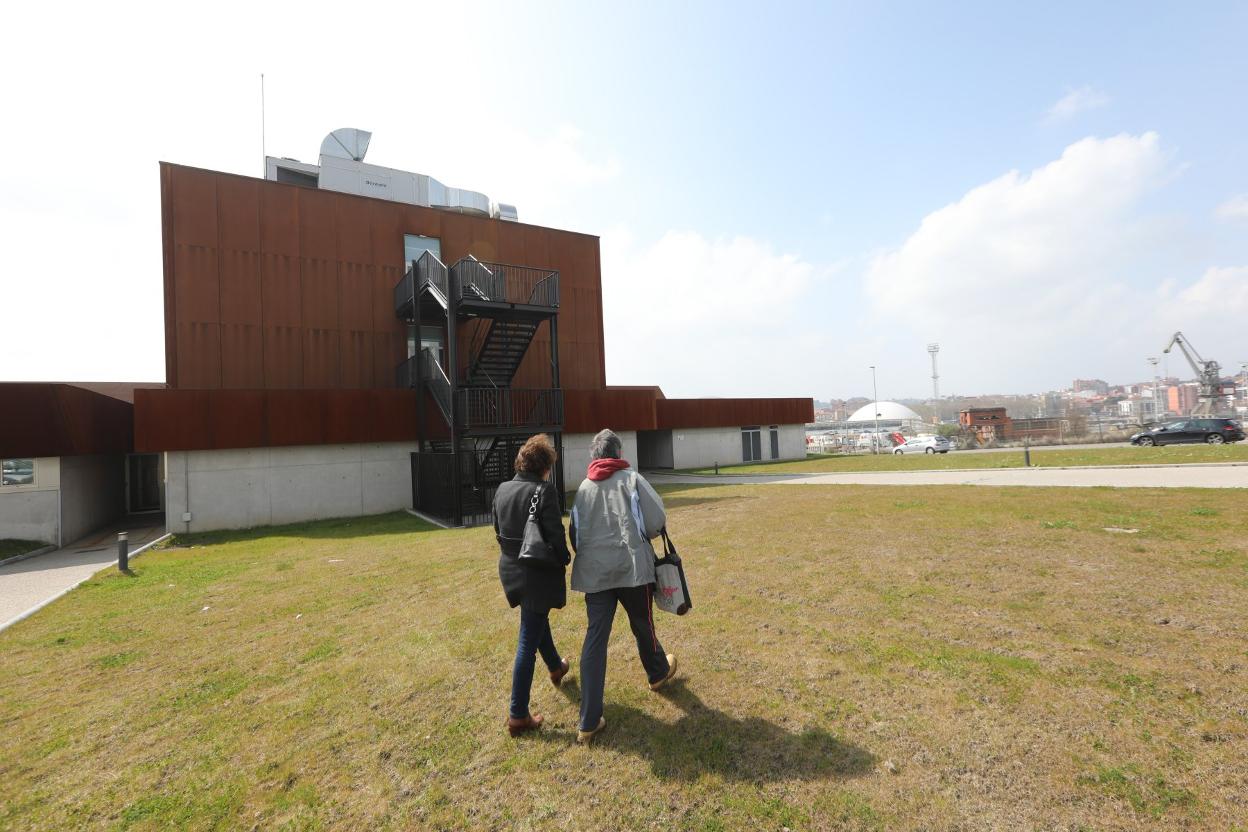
x,y
600,608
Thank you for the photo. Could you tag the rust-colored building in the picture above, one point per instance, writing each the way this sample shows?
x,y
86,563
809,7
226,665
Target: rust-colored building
x,y
336,346
995,424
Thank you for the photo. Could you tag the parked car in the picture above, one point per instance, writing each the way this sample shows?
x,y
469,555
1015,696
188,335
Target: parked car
x,y
1214,431
923,445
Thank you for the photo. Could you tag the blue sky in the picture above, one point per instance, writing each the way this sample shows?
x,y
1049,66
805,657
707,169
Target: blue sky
x,y
785,194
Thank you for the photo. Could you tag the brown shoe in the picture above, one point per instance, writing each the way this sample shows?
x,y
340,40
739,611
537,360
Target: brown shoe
x,y
586,737
516,727
556,676
671,673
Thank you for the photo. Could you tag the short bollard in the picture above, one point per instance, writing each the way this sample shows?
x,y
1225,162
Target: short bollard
x,y
717,469
123,552
1026,455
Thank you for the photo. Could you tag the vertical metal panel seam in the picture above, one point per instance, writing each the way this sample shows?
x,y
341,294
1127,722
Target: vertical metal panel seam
x,y
216,198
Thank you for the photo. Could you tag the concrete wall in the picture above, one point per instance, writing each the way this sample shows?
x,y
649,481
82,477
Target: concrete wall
x,y
93,493
236,489
31,512
702,447
576,455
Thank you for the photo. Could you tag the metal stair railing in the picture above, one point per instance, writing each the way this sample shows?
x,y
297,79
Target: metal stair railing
x,y
431,272
439,383
427,271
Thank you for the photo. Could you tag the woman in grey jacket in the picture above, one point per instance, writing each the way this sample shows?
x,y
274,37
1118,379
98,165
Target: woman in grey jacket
x,y
615,515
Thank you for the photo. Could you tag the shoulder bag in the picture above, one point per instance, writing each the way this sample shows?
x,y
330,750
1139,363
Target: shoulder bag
x,y
534,550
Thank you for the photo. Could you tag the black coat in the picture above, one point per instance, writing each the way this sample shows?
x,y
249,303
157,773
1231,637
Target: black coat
x,y
539,589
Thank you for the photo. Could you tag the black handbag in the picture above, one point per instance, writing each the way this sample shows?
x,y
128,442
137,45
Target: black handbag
x,y
534,550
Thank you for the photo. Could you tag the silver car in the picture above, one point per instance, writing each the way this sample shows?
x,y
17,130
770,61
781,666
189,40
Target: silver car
x,y
924,445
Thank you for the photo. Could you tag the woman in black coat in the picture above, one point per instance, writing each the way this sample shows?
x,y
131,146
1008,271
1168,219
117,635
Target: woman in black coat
x,y
535,589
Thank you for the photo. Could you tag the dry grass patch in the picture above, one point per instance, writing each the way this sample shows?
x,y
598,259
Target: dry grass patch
x,y
858,658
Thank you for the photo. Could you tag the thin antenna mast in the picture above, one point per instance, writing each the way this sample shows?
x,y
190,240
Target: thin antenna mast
x,y
264,153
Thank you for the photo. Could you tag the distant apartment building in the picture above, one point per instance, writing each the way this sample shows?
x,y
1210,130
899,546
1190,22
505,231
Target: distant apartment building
x,y
1093,386
1182,398
1140,408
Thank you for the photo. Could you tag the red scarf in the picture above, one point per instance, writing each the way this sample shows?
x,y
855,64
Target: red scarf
x,y
601,469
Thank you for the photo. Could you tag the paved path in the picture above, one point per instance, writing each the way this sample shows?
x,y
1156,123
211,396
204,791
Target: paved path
x,y
1122,476
27,584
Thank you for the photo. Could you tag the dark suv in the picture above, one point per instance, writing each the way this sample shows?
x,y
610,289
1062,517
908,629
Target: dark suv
x,y
1215,431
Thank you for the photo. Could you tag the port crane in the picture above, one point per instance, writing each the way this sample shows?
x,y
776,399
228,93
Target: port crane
x,y
1209,373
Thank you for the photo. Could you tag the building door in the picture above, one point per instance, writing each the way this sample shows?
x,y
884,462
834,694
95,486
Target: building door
x,y
142,483
751,444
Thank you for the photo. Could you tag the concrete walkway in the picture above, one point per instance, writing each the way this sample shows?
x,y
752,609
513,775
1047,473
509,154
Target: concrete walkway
x,y
27,585
1230,475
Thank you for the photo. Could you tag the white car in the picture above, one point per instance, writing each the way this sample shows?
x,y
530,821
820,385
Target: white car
x,y
924,445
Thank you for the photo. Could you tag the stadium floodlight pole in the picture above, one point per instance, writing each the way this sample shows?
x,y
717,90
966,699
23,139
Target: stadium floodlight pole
x,y
875,409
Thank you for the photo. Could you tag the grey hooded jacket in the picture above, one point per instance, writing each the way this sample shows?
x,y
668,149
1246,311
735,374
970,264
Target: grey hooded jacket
x,y
612,523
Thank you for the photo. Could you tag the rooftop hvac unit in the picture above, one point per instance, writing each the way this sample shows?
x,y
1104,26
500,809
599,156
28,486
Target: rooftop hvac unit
x,y
342,168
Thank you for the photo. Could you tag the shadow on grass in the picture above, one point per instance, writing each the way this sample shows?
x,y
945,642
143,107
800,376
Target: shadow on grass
x,y
397,522
706,741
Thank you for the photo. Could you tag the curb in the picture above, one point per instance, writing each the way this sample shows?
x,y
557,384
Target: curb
x,y
66,590
51,547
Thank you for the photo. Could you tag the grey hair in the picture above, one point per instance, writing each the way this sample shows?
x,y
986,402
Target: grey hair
x,y
605,445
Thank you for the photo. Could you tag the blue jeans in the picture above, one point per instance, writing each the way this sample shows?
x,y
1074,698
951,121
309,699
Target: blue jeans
x,y
535,638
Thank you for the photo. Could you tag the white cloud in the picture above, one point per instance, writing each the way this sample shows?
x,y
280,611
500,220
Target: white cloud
x,y
706,317
1077,101
1031,278
1235,208
1224,286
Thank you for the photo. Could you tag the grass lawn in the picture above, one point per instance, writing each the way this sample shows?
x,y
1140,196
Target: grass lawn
x,y
11,548
1049,457
858,658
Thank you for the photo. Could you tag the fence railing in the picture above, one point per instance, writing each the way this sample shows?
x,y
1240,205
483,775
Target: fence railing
x,y
505,283
509,407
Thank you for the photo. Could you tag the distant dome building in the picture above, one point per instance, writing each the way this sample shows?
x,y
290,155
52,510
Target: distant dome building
x,y
891,415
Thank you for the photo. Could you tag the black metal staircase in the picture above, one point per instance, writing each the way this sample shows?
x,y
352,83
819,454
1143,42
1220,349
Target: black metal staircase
x,y
485,418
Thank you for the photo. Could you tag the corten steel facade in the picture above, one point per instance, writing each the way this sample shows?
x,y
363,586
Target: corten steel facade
x,y
271,286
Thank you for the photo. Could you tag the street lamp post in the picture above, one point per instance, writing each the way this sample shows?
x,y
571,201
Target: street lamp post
x,y
875,409
1156,389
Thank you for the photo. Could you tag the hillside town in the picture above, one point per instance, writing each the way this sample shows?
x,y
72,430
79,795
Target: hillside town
x,y
1089,410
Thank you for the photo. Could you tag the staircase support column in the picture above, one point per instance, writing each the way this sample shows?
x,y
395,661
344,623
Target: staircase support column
x,y
452,373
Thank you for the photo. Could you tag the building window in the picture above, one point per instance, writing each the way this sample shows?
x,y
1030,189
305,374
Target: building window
x,y
775,442
17,472
751,444
431,338
415,245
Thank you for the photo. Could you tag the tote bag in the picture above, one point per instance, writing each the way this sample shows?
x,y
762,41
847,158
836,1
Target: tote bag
x,y
671,590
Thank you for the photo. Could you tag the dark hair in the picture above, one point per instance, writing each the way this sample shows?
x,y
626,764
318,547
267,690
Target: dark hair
x,y
537,455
